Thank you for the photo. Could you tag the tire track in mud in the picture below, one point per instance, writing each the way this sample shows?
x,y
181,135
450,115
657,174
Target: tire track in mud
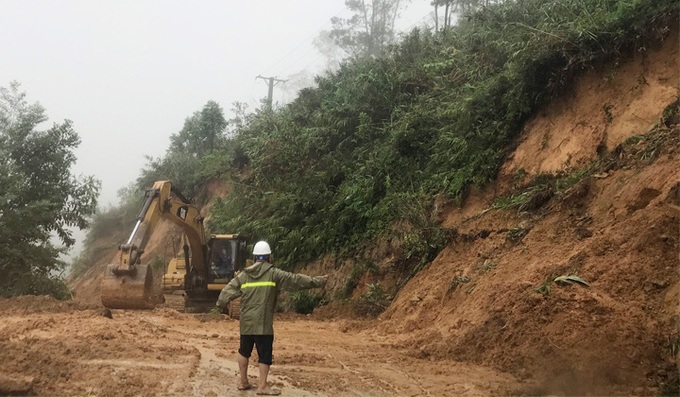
x,y
218,376
216,371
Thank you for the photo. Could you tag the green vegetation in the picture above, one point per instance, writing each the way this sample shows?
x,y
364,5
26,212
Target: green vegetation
x,y
487,266
571,279
517,233
358,271
359,158
534,194
544,289
40,199
369,30
373,302
304,302
456,281
197,153
647,147
158,264
332,172
542,188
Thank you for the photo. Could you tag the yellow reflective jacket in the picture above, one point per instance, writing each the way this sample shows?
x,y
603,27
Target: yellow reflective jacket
x,y
258,286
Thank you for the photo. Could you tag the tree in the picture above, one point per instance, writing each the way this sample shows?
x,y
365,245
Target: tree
x,y
452,7
201,132
190,150
40,200
449,8
296,82
182,168
239,120
369,30
331,52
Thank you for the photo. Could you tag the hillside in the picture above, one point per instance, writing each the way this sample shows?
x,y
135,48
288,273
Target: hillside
x,y
610,213
617,229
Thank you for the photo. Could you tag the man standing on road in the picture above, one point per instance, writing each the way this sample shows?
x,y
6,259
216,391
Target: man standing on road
x,y
257,285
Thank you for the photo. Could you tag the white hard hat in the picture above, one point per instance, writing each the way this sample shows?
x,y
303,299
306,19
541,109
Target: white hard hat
x,y
262,248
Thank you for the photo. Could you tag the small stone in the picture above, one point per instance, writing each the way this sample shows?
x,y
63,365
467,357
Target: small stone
x,y
15,385
106,312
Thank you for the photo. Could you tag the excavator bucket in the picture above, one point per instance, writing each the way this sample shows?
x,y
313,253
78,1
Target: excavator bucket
x,y
128,291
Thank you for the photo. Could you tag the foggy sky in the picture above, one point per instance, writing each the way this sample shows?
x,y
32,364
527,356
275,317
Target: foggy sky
x,y
128,73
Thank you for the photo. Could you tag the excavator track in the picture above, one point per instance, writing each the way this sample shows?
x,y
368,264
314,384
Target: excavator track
x,y
128,291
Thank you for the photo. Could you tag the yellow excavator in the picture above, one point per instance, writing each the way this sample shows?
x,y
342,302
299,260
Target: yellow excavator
x,y
209,263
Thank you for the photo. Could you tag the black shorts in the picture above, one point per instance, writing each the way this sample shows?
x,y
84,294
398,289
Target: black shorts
x,y
263,343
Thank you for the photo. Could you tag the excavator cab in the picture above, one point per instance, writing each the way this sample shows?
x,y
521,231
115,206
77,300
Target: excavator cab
x,y
221,258
227,255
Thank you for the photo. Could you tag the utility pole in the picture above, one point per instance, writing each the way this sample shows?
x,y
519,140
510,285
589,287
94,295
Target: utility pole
x,y
272,81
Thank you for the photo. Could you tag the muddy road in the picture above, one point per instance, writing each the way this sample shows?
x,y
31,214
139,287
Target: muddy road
x,y
52,348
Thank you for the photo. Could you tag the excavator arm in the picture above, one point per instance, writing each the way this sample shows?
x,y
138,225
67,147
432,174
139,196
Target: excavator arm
x,y
129,284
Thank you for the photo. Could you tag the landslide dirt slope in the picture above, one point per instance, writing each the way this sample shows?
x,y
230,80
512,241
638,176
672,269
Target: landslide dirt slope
x,y
477,301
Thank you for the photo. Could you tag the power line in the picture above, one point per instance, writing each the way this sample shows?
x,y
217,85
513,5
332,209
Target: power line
x,y
307,40
310,48
429,14
288,66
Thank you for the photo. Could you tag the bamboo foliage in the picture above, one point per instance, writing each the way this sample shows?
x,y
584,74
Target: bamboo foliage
x,y
334,170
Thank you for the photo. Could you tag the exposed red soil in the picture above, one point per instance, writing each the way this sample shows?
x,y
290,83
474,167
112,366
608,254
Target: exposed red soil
x,y
618,230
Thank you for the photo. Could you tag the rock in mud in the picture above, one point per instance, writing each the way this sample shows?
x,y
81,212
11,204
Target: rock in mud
x,y
15,385
105,312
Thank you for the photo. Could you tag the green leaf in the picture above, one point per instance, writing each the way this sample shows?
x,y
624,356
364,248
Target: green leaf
x,y
571,279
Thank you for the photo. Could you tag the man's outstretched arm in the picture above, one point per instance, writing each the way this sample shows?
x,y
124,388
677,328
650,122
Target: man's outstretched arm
x,y
295,282
230,292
